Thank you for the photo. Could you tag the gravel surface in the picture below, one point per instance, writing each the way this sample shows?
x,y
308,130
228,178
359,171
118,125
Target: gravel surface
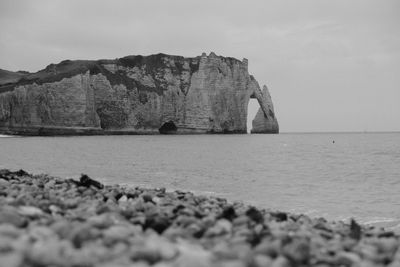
x,y
49,221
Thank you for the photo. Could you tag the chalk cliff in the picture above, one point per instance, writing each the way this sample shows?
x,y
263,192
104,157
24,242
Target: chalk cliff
x,y
134,95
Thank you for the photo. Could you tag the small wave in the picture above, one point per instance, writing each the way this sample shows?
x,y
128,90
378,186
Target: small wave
x,y
381,220
395,228
4,136
390,224
307,212
173,189
310,212
211,193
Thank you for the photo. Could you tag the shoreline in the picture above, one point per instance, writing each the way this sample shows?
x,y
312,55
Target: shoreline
x,y
49,221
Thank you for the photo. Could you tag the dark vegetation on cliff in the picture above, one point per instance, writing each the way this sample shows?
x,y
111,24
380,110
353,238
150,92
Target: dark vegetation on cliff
x,y
154,62
69,68
8,78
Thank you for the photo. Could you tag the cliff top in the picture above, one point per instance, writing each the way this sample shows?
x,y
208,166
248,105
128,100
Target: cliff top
x,y
68,68
8,77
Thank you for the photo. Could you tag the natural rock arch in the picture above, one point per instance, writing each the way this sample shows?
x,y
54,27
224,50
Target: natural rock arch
x,y
265,120
252,108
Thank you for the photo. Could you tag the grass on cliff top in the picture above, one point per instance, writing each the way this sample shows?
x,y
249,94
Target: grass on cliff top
x,y
69,68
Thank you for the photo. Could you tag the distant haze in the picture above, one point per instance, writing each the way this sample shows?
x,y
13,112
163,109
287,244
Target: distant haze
x,y
329,65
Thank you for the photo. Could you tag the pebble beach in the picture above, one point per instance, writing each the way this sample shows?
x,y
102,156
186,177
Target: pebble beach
x,y
51,221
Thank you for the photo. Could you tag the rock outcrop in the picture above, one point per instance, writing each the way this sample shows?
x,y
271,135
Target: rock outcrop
x,y
263,123
134,95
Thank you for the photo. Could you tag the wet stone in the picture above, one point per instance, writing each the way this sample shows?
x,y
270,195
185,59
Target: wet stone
x,y
147,198
229,213
280,216
255,215
157,223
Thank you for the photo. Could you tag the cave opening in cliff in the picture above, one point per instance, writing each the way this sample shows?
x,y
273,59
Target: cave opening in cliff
x,y
252,109
168,128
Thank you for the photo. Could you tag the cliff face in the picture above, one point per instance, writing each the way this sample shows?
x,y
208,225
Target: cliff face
x,y
135,95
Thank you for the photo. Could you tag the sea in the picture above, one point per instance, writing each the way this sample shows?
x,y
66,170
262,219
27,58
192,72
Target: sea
x,y
337,176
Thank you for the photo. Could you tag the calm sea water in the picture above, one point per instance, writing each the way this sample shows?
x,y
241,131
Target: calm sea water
x,y
357,175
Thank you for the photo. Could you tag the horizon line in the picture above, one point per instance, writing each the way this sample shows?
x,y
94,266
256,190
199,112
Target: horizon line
x,y
338,132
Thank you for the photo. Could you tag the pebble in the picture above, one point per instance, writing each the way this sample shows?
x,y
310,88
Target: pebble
x,y
9,230
193,256
82,233
117,233
30,211
348,258
46,221
41,233
281,261
11,259
221,227
233,263
262,261
240,221
271,248
123,199
11,215
298,251
4,183
105,220
48,253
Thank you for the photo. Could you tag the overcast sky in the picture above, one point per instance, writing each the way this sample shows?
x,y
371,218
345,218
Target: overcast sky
x,y
329,65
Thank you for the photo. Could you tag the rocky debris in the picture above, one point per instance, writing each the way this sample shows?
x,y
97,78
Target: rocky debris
x,y
47,221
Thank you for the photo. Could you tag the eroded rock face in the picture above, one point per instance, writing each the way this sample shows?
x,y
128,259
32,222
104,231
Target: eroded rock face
x,y
135,95
265,120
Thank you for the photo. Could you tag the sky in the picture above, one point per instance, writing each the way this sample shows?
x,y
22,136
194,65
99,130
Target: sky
x,y
330,65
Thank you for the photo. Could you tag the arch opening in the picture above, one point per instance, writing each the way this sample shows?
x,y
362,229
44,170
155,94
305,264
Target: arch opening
x,y
168,128
252,108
